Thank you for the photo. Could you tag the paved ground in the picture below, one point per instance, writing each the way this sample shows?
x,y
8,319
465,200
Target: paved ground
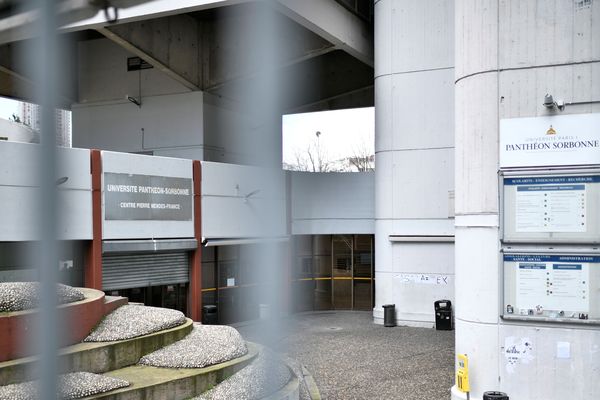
x,y
352,358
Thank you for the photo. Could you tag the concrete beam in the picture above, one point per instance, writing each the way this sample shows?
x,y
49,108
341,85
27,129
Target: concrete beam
x,y
15,84
252,75
363,97
169,44
149,10
334,23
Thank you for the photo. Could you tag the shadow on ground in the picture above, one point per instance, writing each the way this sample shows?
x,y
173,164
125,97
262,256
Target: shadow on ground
x,y
352,358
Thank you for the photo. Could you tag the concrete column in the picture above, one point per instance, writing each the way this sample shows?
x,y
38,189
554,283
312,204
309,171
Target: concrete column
x,y
509,54
414,146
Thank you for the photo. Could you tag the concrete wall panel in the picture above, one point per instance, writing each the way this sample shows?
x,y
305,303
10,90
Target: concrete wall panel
x,y
384,46
421,110
522,91
242,202
20,193
103,75
164,125
547,33
385,94
422,35
476,36
383,228
413,35
325,203
574,375
480,343
384,184
477,144
436,258
421,183
477,278
414,144
420,227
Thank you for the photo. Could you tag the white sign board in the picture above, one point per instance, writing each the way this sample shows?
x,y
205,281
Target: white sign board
x,y
546,283
550,141
562,208
550,208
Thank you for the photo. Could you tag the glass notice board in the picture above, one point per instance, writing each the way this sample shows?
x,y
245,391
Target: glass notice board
x,y
552,286
557,207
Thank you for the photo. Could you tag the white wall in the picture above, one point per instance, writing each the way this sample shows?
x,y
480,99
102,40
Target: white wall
x,y
414,150
225,130
169,123
332,203
20,193
227,212
146,165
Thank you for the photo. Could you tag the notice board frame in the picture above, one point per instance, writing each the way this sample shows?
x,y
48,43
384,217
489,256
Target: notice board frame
x,y
508,232
552,316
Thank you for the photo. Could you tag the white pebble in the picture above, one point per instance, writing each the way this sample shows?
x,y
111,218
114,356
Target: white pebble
x,y
205,345
131,321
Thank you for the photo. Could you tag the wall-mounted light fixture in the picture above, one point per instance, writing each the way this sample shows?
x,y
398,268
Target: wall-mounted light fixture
x,y
250,195
134,101
61,180
550,103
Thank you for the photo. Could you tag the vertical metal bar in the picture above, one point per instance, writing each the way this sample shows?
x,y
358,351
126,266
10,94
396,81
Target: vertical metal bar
x,y
372,292
93,268
331,272
195,286
352,243
44,59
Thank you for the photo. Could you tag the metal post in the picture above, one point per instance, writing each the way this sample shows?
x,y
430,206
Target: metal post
x,y
43,56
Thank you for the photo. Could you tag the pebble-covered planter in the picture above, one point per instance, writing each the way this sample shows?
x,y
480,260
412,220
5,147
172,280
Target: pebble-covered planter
x,y
263,377
70,386
205,345
131,321
19,296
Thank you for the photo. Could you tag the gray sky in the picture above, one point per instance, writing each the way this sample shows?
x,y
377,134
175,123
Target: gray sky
x,y
342,132
8,107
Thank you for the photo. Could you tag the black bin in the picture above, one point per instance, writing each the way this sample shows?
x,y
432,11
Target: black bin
x,y
209,315
495,396
443,315
389,315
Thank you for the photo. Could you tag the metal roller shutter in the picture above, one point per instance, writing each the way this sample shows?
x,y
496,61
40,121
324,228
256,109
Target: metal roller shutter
x,y
123,271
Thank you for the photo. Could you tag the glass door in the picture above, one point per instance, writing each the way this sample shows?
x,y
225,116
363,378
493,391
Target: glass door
x,y
363,270
322,272
342,254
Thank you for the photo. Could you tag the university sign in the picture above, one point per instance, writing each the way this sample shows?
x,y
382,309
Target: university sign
x,y
550,141
147,197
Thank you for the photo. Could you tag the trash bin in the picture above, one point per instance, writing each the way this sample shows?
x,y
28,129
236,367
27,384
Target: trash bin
x,y
389,315
443,315
495,396
209,315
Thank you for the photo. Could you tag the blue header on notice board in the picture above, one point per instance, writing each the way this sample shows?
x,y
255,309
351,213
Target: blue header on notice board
x,y
549,180
575,267
532,266
546,188
533,258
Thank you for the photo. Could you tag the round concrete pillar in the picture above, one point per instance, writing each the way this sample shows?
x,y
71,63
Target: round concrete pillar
x,y
414,148
509,54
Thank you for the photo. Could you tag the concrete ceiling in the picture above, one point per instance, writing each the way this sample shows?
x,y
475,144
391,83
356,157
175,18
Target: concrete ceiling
x,y
320,56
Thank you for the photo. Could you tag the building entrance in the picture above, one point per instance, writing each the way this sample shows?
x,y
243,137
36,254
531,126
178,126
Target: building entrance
x,y
333,272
